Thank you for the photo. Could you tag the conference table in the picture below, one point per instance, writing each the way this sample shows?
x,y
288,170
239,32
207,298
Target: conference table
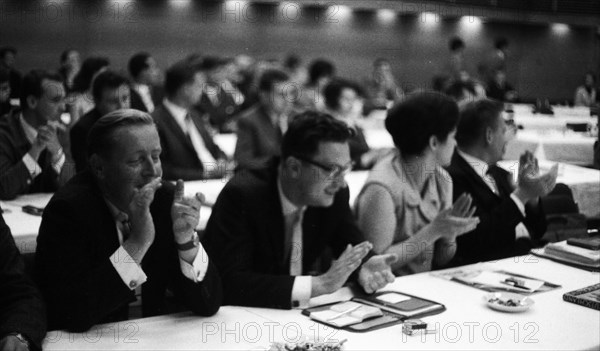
x,y
584,182
467,324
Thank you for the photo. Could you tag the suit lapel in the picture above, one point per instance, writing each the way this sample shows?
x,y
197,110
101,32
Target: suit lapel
x,y
206,137
173,127
501,180
473,177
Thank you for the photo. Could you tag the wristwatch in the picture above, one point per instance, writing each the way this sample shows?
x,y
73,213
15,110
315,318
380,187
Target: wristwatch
x,y
194,242
21,338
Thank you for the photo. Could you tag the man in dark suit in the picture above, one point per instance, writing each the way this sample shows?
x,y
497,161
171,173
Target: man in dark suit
x,y
269,227
188,150
220,100
260,128
117,226
31,141
8,55
111,92
22,313
511,219
145,75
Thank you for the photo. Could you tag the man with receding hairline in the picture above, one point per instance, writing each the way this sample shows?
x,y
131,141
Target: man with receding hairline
x,y
511,218
117,226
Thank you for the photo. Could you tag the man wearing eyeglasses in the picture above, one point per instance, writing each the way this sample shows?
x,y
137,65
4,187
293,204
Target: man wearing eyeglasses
x,y
270,227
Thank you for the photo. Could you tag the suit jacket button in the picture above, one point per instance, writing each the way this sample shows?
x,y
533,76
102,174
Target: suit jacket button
x,y
132,284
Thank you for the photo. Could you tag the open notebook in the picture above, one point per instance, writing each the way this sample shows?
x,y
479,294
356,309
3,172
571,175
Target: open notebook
x,y
346,313
370,312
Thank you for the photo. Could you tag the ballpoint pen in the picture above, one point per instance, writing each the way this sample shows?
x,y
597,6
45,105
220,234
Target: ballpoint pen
x,y
516,283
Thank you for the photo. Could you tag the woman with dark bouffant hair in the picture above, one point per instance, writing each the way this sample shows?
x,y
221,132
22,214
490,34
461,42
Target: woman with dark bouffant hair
x,y
81,102
405,206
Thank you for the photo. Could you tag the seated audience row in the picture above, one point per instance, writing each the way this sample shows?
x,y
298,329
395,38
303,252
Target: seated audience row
x,y
31,152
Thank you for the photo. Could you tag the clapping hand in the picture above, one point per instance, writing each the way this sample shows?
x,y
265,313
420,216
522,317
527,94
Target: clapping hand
x,y
341,269
531,184
376,273
455,220
140,219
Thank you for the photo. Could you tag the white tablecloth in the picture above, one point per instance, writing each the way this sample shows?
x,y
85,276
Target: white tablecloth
x,y
467,324
568,147
24,227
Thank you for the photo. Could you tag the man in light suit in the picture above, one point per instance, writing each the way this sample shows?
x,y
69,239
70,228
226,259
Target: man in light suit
x,y
115,227
188,150
260,129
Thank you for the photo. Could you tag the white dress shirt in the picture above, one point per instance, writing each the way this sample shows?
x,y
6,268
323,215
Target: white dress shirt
x,y
302,284
146,96
481,168
32,165
132,274
188,127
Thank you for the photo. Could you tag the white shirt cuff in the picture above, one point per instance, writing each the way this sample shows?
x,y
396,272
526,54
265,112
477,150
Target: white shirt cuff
x,y
131,273
58,165
32,166
301,291
197,270
519,204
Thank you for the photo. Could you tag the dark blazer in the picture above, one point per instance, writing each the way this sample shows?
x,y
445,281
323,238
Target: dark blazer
x,y
21,307
258,139
245,236
81,286
137,103
14,176
494,237
358,147
223,112
179,158
78,135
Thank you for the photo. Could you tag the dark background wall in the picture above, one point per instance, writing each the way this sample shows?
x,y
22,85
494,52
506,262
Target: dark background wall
x,y
542,62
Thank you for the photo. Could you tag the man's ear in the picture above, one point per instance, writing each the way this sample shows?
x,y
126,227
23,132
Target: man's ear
x,y
31,102
96,166
292,168
489,135
434,143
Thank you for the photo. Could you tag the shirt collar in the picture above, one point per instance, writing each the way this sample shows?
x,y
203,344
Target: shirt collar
x,y
479,166
141,88
177,112
30,132
287,207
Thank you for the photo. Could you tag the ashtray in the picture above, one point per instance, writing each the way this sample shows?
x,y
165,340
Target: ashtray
x,y
508,302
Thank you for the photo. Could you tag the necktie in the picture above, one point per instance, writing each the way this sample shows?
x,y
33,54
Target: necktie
x,y
202,152
123,225
489,180
295,233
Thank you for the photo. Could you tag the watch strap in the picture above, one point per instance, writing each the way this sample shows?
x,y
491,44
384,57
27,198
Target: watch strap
x,y
194,242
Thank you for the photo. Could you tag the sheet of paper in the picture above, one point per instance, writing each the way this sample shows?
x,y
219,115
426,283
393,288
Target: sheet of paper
x,y
393,298
327,315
